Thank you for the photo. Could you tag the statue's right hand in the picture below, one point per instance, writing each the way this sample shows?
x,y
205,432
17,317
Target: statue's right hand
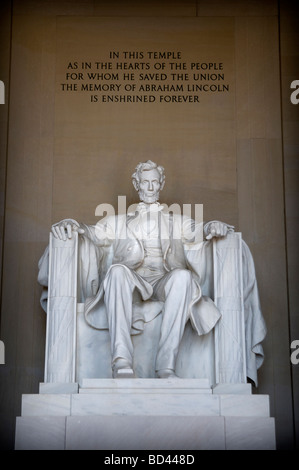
x,y
65,228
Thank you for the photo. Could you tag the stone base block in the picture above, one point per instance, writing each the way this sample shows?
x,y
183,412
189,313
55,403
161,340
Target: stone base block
x,y
40,433
236,389
46,404
244,405
146,414
145,433
249,433
145,404
146,384
58,387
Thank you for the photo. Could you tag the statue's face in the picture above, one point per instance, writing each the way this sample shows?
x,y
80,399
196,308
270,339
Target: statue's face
x,y
149,186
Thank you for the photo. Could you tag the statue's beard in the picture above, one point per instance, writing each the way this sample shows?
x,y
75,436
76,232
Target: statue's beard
x,y
148,199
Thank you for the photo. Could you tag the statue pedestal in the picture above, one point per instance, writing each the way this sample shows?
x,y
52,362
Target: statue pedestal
x,y
145,414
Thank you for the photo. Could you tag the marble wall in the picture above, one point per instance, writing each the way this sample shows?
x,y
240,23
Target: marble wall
x,y
236,155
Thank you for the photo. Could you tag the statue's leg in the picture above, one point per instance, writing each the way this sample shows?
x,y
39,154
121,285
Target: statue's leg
x,y
118,296
175,289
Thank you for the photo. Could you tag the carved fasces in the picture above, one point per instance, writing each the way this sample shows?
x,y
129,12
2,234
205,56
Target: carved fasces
x,y
230,355
61,312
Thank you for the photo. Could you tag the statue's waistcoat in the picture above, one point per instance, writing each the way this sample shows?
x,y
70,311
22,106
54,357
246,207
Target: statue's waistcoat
x,y
128,246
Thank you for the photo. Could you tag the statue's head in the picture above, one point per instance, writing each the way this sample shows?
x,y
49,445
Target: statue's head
x,y
148,180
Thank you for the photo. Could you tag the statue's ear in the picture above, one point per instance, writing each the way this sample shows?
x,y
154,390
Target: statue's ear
x,y
162,185
135,184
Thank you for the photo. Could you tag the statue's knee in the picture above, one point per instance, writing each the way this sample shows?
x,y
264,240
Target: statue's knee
x,y
117,272
182,277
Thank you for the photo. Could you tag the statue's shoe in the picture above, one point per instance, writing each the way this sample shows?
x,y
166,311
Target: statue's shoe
x,y
166,374
122,369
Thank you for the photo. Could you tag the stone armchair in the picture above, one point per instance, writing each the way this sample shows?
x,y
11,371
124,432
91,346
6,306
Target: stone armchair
x,y
230,353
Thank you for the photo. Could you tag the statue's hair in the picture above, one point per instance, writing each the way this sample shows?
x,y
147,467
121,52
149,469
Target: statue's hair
x,y
149,165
